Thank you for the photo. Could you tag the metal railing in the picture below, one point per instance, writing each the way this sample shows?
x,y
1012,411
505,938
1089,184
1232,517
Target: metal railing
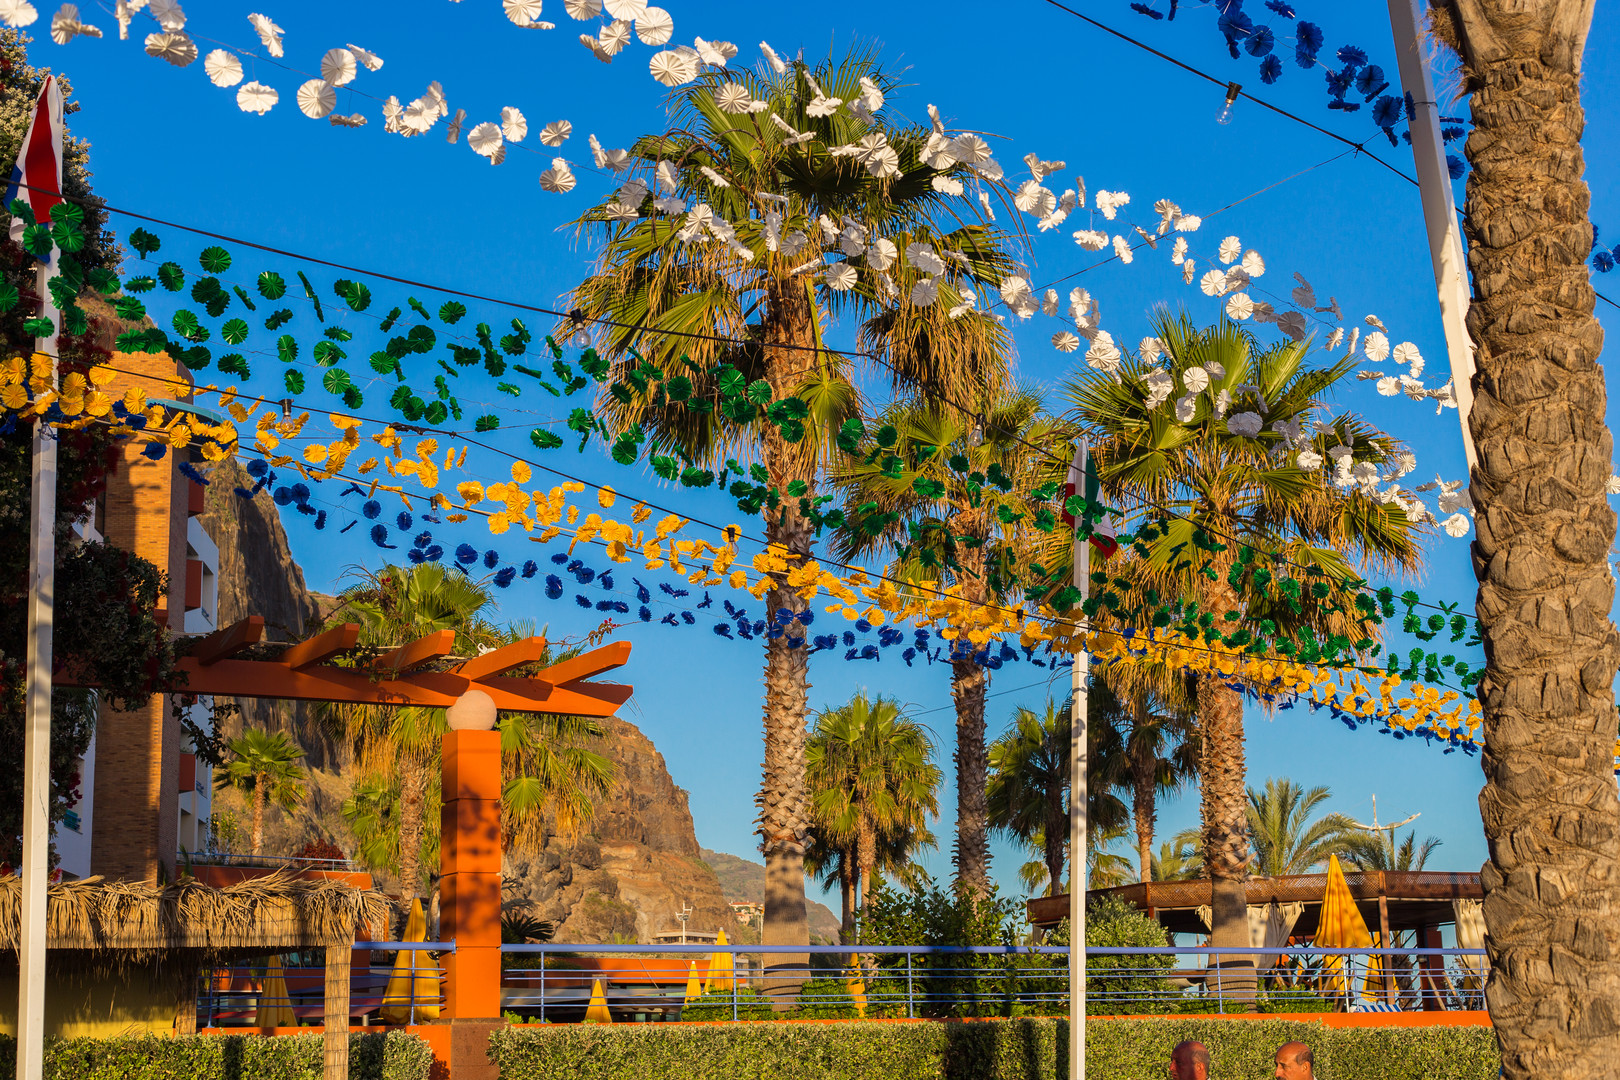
x,y
259,995
653,982
561,983
230,858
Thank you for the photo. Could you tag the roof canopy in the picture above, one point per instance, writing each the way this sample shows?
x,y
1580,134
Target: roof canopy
x,y
1414,899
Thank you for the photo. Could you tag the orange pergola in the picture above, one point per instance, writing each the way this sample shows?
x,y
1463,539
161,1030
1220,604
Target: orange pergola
x,y
302,673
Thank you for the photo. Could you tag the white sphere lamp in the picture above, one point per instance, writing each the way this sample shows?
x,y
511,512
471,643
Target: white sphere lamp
x,y
473,711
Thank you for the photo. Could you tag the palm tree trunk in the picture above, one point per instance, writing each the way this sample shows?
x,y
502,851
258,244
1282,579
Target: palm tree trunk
x,y
1145,814
866,858
1226,845
412,808
1544,528
1054,840
261,783
783,800
846,889
972,771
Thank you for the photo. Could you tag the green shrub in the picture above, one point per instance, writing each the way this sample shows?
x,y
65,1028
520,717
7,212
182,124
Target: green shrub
x,y
1020,1049
717,1005
825,999
393,1055
1286,1000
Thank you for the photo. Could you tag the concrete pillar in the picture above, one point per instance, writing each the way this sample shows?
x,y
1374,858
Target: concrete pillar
x,y
470,897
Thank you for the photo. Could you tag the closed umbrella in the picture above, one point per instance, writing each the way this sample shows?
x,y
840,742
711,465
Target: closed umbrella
x,y
722,973
1340,926
694,985
274,1007
597,1011
416,978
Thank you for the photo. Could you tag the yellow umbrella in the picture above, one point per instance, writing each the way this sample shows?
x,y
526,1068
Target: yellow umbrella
x,y
722,972
857,990
597,1011
1372,987
1340,926
694,985
274,1007
415,977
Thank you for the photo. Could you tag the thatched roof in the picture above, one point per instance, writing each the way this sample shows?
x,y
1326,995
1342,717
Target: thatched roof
x,y
269,914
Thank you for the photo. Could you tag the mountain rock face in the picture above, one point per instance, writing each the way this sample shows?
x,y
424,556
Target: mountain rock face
x,y
633,871
743,881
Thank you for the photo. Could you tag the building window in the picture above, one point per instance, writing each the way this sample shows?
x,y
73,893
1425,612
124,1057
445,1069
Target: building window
x,y
71,820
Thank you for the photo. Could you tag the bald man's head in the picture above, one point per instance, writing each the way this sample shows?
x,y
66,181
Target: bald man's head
x,y
1189,1061
1294,1062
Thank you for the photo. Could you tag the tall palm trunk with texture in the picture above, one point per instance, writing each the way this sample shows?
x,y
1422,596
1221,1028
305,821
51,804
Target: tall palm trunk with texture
x,y
1224,800
412,826
784,804
1144,811
1552,823
968,685
261,795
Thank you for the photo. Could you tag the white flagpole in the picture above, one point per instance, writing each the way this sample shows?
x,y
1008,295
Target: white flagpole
x,y
1077,799
36,837
36,844
1439,214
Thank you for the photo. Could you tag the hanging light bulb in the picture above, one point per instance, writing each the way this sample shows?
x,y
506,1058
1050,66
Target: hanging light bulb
x,y
1225,115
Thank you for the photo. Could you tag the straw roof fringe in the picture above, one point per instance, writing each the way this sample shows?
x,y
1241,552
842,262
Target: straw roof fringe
x,y
275,913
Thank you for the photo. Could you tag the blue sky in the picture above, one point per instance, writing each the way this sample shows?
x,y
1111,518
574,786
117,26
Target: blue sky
x,y
167,143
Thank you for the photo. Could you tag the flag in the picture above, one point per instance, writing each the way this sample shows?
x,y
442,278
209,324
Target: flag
x,y
1099,527
39,163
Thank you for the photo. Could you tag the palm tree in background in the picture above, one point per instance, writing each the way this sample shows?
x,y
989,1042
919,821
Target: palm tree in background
x,y
939,477
1538,419
873,784
393,606
370,811
833,862
1153,741
264,766
1379,851
1286,839
1178,858
743,286
1302,485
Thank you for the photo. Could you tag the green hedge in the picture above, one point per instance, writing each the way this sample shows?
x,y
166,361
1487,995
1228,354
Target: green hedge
x,y
1022,1049
393,1055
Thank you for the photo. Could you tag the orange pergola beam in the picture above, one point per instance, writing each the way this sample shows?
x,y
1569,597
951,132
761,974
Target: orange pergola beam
x,y
586,665
417,653
339,639
499,661
233,639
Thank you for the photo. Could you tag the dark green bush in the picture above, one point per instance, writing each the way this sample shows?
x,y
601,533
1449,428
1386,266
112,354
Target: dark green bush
x,y
1020,1049
393,1055
825,999
717,1005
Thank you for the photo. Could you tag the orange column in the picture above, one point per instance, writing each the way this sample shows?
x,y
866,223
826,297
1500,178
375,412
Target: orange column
x,y
470,865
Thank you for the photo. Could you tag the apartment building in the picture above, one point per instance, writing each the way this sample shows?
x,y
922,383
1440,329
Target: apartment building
x,y
144,797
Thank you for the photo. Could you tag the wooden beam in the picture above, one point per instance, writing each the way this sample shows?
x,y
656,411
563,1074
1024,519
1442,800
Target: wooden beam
x,y
339,639
576,699
229,641
417,653
585,665
499,661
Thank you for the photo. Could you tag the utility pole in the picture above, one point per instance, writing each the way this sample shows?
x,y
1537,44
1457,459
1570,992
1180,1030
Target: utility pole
x,y
1439,212
1077,793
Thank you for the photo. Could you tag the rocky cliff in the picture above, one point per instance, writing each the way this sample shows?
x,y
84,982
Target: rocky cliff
x,y
634,866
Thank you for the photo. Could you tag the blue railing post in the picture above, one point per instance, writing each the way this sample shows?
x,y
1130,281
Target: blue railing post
x,y
542,988
1220,995
911,1001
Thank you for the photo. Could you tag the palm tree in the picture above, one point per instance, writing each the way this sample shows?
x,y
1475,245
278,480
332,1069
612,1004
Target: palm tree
x,y
393,606
873,782
370,812
832,860
264,765
1538,415
1286,840
934,483
1378,850
1153,722
739,289
1178,858
1107,869
1290,488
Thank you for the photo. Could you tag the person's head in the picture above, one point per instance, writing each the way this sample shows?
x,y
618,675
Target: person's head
x,y
1189,1061
1294,1062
